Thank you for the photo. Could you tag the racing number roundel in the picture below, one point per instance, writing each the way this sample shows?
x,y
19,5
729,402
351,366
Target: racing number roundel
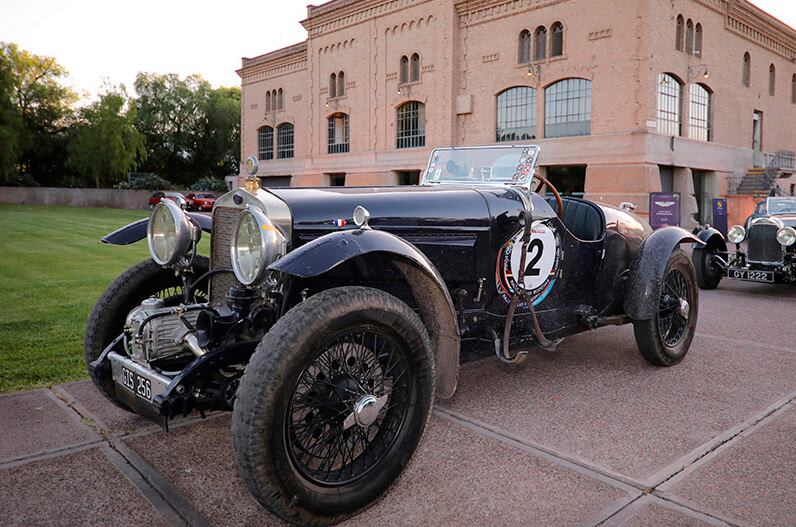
x,y
541,263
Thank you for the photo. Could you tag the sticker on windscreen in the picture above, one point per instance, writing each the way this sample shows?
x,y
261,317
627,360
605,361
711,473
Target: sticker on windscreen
x,y
541,263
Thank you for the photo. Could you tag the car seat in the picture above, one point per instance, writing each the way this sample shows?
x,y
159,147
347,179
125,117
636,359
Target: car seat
x,y
584,219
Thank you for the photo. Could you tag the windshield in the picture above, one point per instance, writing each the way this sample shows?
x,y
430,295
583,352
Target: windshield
x,y
491,165
782,206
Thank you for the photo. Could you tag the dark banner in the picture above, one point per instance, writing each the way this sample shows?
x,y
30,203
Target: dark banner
x,y
664,209
720,215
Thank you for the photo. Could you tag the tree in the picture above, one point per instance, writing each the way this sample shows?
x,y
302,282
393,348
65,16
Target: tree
x,y
218,143
10,122
106,145
44,107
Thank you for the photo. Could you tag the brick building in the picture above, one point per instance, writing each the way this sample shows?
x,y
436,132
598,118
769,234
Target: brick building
x,y
625,97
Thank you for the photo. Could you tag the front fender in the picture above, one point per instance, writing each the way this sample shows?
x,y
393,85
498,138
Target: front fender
x,y
428,288
136,231
647,270
712,239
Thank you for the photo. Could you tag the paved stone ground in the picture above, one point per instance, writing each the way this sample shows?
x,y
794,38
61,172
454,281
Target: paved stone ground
x,y
590,435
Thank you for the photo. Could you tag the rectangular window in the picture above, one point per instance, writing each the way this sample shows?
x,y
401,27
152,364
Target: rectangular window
x,y
516,115
699,119
568,108
265,143
338,131
284,146
408,177
336,180
411,122
670,93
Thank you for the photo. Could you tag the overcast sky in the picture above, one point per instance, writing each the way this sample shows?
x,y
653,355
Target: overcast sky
x,y
107,40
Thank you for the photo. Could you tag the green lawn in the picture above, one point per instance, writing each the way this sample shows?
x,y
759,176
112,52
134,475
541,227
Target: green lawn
x,y
53,268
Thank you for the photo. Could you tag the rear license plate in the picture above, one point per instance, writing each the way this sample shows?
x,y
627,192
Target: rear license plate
x,y
750,275
141,386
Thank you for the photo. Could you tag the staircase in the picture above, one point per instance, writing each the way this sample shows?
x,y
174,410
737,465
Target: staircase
x,y
762,181
755,182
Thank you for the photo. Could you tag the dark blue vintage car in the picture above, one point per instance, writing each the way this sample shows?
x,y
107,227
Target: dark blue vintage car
x,y
769,255
328,319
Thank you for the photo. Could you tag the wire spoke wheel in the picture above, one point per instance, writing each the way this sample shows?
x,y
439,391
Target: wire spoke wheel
x,y
328,439
673,308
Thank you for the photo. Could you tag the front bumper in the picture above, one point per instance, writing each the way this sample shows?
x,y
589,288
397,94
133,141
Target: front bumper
x,y
157,385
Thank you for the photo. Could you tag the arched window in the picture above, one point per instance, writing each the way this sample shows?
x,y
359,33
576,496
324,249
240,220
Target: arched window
x,y
284,141
340,84
747,69
540,43
333,85
689,37
404,75
265,142
411,125
680,32
280,102
516,114
698,40
557,40
273,100
699,121
670,105
268,101
414,72
567,106
524,47
793,89
338,134
772,80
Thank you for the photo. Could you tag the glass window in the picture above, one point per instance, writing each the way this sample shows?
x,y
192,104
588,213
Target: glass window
x,y
414,75
698,40
280,103
333,85
699,113
265,143
772,80
747,69
568,108
680,31
404,76
340,84
336,180
540,43
411,121
284,145
689,37
524,47
338,133
516,114
557,44
268,101
669,96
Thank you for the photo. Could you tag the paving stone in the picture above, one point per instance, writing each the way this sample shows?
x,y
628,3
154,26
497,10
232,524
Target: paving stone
x,y
753,482
83,489
596,399
31,423
655,515
109,415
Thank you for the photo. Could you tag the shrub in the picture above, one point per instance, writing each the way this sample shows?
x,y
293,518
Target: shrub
x,y
209,184
146,182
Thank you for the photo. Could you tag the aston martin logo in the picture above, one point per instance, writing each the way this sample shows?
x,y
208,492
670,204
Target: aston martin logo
x,y
665,203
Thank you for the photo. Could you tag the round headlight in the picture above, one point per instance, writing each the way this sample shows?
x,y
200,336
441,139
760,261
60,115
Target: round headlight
x,y
736,234
169,233
256,244
786,236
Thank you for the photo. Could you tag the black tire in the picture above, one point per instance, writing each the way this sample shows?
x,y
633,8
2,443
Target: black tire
x,y
665,339
264,412
707,275
139,282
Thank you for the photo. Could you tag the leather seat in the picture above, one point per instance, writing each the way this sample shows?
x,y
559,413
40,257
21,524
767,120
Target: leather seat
x,y
584,219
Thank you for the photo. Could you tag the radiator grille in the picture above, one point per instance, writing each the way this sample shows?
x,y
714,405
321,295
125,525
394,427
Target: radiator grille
x,y
763,244
223,222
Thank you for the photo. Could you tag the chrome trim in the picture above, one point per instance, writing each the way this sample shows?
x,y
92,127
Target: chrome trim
x,y
767,220
185,232
269,234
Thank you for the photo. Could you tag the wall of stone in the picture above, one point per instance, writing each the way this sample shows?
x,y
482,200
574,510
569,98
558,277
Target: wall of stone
x,y
76,197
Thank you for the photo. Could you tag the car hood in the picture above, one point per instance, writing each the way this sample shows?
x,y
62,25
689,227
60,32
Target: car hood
x,y
786,219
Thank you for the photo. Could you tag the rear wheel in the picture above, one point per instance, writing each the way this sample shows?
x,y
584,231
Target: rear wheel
x,y
333,404
141,281
665,339
708,275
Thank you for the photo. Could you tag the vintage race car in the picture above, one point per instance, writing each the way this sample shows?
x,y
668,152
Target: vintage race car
x,y
328,319
770,255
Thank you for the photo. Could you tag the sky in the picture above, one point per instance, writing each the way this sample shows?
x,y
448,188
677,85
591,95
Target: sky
x,y
107,41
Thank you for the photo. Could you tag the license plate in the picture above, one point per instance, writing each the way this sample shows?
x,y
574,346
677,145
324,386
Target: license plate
x,y
141,386
750,275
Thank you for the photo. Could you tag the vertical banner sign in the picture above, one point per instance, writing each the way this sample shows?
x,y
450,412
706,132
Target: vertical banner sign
x,y
664,209
720,215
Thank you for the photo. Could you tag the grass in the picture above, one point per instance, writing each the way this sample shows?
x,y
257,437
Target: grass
x,y
52,269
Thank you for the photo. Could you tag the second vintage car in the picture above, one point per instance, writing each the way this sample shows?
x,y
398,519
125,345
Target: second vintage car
x,y
200,201
769,255
328,319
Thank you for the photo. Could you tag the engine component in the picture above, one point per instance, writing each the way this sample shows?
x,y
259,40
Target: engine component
x,y
153,332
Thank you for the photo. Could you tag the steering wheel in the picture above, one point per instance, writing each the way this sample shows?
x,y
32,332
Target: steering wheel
x,y
559,204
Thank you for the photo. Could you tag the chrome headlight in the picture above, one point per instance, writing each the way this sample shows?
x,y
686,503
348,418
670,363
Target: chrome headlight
x,y
170,233
736,234
786,236
256,244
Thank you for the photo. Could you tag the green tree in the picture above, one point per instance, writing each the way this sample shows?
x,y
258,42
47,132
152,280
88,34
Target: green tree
x,y
106,145
10,122
218,148
44,106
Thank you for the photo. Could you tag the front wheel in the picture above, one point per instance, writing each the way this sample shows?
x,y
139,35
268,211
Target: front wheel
x,y
665,339
333,404
708,275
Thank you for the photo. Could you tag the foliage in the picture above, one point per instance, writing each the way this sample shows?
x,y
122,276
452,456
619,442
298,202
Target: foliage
x,y
10,122
44,107
106,145
146,182
210,184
